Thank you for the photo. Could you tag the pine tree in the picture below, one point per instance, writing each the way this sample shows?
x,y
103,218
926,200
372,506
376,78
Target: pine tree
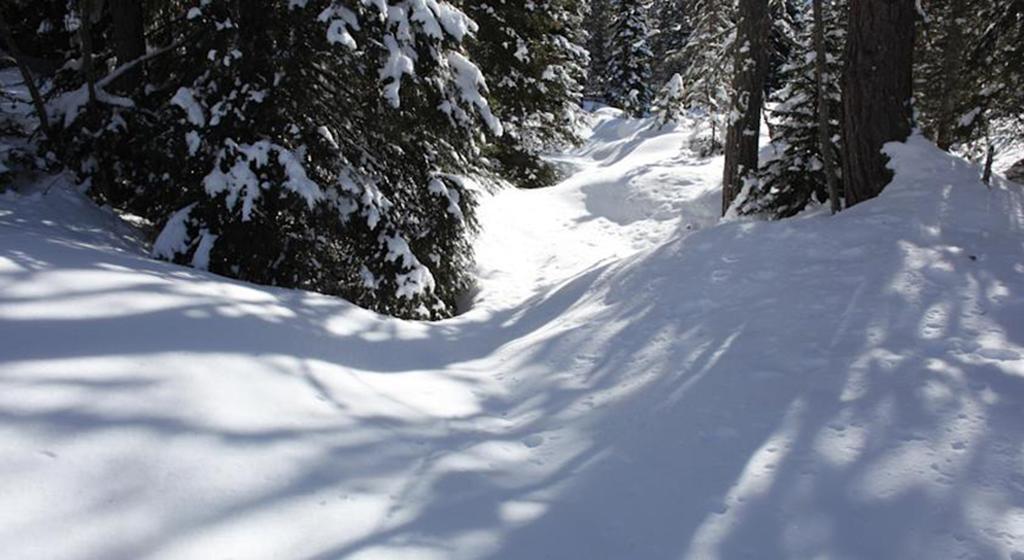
x,y
534,59
941,90
786,26
630,58
672,29
597,25
706,81
969,74
669,106
305,144
826,131
996,63
794,174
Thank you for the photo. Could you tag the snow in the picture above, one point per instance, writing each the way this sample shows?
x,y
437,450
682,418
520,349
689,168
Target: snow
x,y
201,260
433,16
173,239
69,105
418,280
634,380
438,187
337,33
398,64
187,102
342,19
193,141
470,81
240,181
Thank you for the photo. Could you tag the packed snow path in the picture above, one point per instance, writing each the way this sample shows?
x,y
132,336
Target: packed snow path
x,y
633,187
634,382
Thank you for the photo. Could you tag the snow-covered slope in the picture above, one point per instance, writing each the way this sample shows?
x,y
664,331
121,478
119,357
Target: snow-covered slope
x,y
634,381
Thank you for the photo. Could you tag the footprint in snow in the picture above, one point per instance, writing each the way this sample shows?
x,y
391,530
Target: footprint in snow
x,y
534,441
1002,354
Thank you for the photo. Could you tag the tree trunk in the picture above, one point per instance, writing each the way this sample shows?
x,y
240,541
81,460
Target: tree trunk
x,y
255,21
26,76
824,119
85,35
952,68
749,74
990,158
129,37
877,91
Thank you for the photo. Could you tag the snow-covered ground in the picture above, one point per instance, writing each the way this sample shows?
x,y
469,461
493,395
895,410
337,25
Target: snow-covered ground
x,y
635,381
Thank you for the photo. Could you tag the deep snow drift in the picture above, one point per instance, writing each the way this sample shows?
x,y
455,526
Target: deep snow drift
x,y
634,381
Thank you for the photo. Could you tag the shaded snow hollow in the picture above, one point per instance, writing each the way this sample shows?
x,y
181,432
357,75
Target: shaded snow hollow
x,y
634,381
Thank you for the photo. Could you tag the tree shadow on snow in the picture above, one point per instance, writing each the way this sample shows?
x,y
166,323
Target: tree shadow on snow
x,y
712,398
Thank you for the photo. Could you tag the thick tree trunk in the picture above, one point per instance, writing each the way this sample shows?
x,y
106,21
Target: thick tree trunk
x,y
877,91
26,75
824,118
751,60
129,35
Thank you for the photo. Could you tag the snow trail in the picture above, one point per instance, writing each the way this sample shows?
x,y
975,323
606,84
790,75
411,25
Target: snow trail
x,y
634,381
632,188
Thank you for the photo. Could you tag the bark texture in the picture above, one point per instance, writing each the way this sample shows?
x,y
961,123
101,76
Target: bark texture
x,y
877,91
749,74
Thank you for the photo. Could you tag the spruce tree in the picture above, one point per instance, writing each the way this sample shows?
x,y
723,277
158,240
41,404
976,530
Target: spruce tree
x,y
671,32
786,26
969,74
630,58
997,66
535,62
826,131
669,106
304,144
794,174
706,81
597,25
942,92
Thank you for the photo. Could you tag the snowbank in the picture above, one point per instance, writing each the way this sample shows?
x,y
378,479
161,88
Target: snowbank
x,y
632,383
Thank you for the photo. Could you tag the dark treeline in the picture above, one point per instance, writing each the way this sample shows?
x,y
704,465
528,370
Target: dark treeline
x,y
839,79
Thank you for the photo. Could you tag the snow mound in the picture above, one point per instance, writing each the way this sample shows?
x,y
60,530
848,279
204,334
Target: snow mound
x,y
625,387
